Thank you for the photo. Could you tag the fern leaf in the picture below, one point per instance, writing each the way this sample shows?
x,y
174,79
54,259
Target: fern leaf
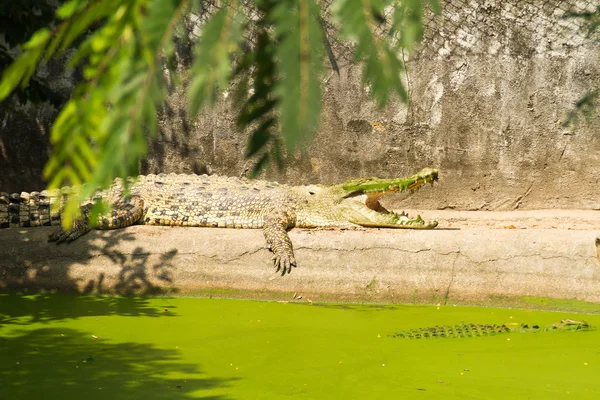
x,y
257,110
299,67
407,22
158,25
70,7
20,71
383,68
88,16
435,6
211,69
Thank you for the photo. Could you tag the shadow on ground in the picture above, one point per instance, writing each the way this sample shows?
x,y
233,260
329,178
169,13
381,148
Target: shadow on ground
x,y
44,267
29,279
22,309
38,361
70,364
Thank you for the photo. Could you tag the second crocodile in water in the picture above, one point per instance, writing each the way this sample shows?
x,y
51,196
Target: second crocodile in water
x,y
214,201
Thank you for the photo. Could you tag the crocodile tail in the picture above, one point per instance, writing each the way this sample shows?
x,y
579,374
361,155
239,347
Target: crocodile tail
x,y
30,209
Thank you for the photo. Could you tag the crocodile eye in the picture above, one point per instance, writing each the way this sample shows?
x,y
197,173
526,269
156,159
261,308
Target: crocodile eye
x,y
311,193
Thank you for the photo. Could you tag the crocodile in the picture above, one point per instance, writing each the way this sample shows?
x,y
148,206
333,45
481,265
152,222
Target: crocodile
x,y
216,201
474,330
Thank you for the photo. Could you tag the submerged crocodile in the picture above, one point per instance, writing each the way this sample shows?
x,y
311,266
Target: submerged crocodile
x,y
473,330
214,201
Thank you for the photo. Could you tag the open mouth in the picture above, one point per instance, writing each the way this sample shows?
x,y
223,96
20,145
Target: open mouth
x,y
375,215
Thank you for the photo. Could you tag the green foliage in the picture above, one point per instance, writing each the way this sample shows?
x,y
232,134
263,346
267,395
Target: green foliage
x,y
19,72
380,54
275,56
589,20
586,106
259,103
300,65
19,21
211,69
407,21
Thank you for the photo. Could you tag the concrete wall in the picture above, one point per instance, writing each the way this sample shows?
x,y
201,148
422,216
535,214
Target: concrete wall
x,y
489,88
468,266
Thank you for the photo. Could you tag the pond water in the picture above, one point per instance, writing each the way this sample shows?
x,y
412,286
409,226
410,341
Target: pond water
x,y
77,347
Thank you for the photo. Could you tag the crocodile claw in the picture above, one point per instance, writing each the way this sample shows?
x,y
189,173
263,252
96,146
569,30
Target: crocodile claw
x,y
80,227
284,263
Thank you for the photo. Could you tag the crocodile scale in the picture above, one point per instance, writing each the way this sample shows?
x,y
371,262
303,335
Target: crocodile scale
x,y
474,330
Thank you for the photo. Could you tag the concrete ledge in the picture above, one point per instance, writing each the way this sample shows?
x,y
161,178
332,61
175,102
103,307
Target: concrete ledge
x,y
474,265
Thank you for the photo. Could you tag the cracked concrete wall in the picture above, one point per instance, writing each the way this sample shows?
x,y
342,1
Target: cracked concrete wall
x,y
489,87
476,266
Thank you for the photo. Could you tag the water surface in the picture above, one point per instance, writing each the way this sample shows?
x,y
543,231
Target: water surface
x,y
69,347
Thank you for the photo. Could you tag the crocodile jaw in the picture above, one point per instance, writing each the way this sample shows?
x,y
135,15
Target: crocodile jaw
x,y
367,192
366,211
356,203
378,186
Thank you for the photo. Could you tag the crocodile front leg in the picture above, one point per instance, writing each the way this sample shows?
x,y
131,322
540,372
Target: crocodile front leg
x,y
278,241
79,227
123,213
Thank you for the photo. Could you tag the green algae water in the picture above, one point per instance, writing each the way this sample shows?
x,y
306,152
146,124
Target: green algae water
x,y
68,347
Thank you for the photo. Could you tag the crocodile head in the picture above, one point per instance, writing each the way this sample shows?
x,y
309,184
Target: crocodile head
x,y
356,202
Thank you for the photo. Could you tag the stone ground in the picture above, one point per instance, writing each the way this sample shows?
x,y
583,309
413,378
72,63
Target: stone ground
x,y
531,219
490,258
